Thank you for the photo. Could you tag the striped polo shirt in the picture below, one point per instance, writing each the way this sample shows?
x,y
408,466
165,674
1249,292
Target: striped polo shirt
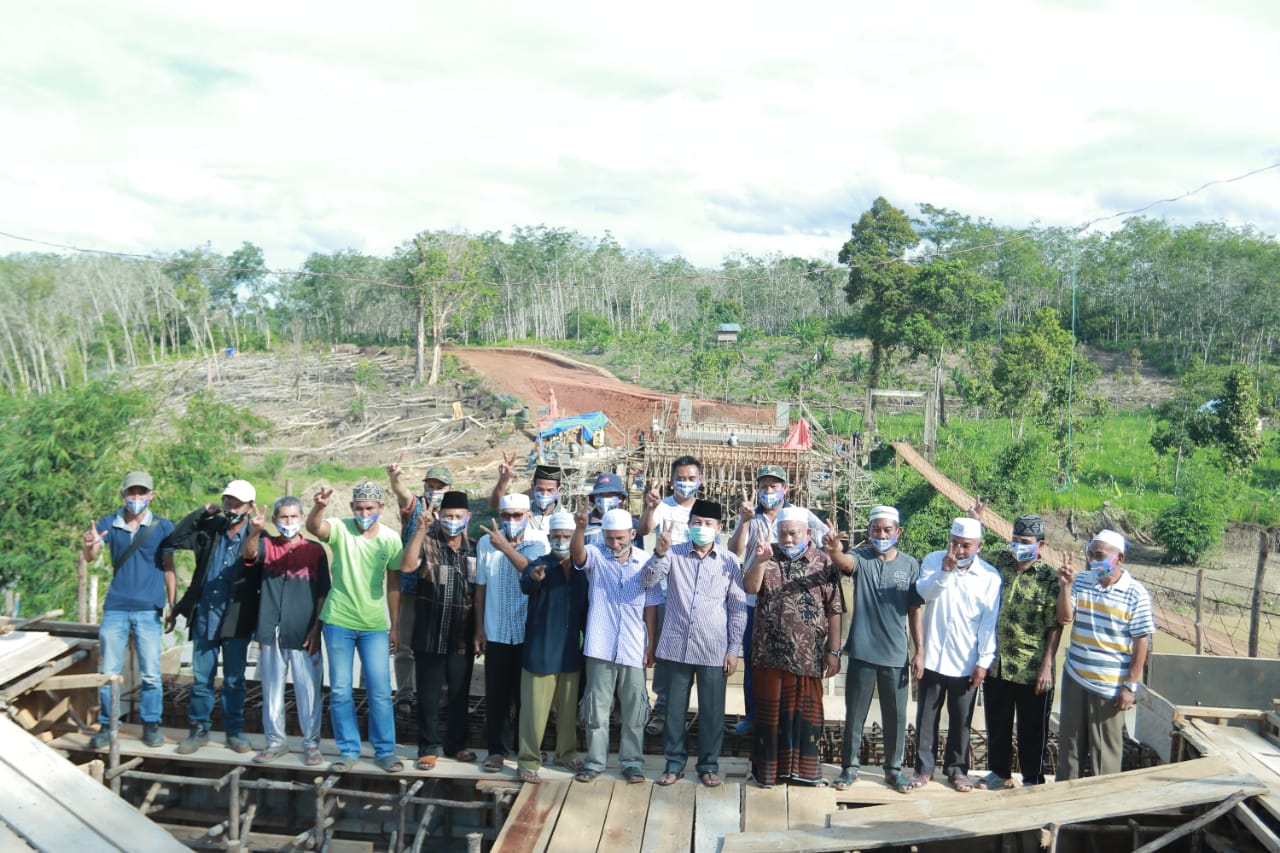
x,y
1107,621
706,606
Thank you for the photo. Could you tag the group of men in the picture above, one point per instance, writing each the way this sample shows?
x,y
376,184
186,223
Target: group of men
x,y
568,612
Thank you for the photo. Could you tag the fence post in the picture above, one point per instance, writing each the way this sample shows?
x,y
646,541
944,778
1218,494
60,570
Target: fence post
x,y
1255,608
1200,611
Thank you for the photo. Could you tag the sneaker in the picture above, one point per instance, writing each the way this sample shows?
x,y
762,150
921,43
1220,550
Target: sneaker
x,y
151,735
742,728
198,737
239,743
657,722
101,738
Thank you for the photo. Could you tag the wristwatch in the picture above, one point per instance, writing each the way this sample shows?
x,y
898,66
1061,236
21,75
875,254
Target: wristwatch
x,y
1131,686
836,652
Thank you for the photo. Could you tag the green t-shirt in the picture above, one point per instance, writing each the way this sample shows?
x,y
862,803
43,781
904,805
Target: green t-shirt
x,y
359,567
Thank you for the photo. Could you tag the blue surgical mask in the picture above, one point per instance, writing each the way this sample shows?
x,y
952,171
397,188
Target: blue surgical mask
x,y
607,502
794,551
288,531
434,499
137,506
453,526
618,552
701,534
1024,551
686,488
771,500
561,547
512,529
1103,567
544,501
884,546
964,564
364,522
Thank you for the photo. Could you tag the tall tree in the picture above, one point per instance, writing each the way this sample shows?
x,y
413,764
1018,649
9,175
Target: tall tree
x,y
1239,431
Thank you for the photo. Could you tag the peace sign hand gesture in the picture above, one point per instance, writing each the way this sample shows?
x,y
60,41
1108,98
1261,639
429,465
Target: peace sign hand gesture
x,y
832,543
257,523
507,467
663,545
92,538
394,471
653,497
322,497
747,509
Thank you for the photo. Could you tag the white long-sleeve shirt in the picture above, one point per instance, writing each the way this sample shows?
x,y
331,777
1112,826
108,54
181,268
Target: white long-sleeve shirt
x,y
960,616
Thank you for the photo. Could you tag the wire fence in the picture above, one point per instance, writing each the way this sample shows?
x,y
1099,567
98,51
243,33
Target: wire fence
x,y
1224,606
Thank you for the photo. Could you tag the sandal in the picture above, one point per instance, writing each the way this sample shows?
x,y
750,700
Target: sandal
x,y
634,775
312,757
961,782
269,754
464,755
846,778
530,776
425,762
343,763
899,782
586,775
920,780
665,779
493,762
573,765
994,782
390,763
711,779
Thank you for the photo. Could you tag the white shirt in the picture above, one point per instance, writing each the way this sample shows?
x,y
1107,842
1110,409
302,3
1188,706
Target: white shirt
x,y
960,618
670,511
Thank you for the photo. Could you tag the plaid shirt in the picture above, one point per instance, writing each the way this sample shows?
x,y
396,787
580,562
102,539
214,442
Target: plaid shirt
x,y
444,621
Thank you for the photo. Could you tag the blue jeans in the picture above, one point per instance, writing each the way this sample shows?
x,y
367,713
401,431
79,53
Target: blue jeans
x,y
113,640
374,648
204,670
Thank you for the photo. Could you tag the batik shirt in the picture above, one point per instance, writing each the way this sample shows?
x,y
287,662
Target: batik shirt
x,y
1028,610
793,607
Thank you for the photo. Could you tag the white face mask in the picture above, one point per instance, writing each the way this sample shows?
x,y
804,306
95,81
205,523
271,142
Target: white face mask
x,y
288,531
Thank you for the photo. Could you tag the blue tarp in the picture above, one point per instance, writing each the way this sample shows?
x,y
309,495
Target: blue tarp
x,y
590,423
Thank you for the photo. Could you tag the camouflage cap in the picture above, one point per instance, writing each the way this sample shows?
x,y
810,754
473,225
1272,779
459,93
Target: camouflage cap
x,y
772,471
439,472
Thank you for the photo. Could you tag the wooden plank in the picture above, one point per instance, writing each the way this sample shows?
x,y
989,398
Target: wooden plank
x,y
808,808
669,828
74,682
35,767
22,652
51,717
1263,833
624,825
11,842
717,813
271,841
764,809
532,818
581,818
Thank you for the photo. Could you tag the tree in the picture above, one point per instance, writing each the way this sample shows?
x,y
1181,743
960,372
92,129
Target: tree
x,y
1035,375
879,276
1239,435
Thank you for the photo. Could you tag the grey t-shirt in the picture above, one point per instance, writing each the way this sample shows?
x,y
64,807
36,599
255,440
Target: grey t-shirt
x,y
882,592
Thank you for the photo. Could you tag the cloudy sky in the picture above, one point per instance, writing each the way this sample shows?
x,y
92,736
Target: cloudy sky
x,y
698,128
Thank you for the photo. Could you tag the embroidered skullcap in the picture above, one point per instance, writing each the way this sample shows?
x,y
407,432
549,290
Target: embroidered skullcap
x,y
546,472
517,500
1029,525
1110,537
882,511
616,519
367,491
966,528
562,521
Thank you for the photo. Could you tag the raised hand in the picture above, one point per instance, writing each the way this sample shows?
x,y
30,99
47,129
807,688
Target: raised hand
x,y
747,509
663,545
949,561
92,538
394,470
582,516
653,497
495,533
1067,573
978,508
257,523
764,550
322,497
507,468
831,544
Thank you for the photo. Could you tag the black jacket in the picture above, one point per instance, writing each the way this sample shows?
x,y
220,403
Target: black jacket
x,y
199,533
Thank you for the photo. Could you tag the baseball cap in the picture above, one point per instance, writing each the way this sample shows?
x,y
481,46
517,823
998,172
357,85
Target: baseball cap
x,y
608,484
772,471
439,472
241,490
137,478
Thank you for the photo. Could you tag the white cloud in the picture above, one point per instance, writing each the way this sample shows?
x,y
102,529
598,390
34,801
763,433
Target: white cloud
x,y
701,128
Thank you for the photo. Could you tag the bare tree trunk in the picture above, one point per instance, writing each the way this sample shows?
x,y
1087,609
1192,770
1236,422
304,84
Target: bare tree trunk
x,y
420,372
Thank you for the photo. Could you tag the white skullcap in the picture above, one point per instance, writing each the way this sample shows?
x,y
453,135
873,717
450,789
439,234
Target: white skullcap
x,y
562,521
1110,537
515,500
966,528
616,519
883,512
793,513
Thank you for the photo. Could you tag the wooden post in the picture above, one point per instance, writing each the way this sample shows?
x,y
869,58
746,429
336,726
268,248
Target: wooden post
x,y
93,600
82,589
1255,608
1200,611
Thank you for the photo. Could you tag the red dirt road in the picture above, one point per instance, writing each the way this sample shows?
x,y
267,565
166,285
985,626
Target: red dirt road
x,y
529,375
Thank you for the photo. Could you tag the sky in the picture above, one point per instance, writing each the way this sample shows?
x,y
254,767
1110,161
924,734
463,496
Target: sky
x,y
701,129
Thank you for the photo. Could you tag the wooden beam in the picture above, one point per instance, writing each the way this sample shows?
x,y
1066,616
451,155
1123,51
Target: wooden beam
x,y
1192,825
75,682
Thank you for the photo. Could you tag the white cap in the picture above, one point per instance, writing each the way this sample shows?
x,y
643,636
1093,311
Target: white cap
x,y
883,512
616,519
515,500
1110,537
241,490
562,521
793,513
966,528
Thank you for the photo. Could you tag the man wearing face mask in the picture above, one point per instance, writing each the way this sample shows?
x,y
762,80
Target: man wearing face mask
x,y
1021,679
543,494
552,652
671,514
963,595
1110,638
444,628
616,643
414,511
607,492
701,637
221,609
501,612
295,582
886,604
142,582
364,590
757,523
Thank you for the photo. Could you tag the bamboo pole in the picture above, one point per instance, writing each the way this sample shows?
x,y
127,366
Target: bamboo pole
x,y
1255,607
1200,611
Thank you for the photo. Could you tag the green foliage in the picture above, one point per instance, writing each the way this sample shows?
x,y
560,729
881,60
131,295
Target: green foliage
x,y
1019,469
201,458
588,327
1238,435
1192,525
947,303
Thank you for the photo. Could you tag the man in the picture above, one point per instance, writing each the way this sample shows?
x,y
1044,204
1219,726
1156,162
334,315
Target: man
x,y
543,494
414,511
221,609
701,636
963,593
1109,644
295,582
142,582
796,645
355,622
444,628
669,514
501,612
607,492
616,643
1020,682
552,653
758,522
886,602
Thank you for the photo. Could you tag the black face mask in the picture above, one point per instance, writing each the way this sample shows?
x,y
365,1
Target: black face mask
x,y
233,518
